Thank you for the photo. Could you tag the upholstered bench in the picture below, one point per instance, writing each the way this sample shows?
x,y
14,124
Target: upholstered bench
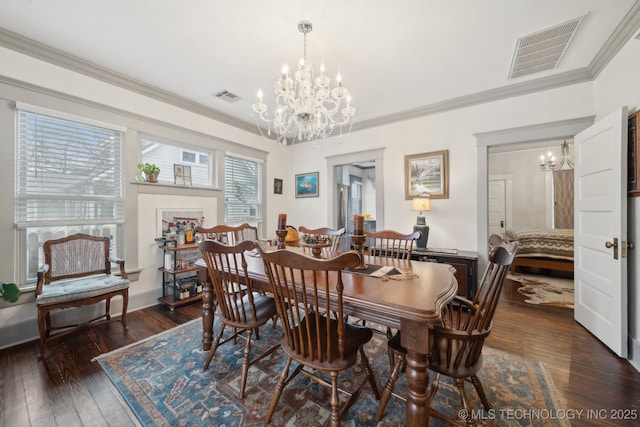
x,y
77,273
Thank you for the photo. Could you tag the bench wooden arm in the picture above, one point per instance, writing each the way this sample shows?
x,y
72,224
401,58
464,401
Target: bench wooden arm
x,y
41,272
120,263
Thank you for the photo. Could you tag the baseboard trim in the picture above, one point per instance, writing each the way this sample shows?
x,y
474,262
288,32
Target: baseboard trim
x,y
634,353
27,330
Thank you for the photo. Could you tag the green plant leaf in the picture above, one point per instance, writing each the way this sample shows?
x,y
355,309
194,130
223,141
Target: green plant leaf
x,y
10,292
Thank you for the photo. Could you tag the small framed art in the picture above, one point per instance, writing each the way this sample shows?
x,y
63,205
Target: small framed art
x,y
182,174
277,186
427,173
307,184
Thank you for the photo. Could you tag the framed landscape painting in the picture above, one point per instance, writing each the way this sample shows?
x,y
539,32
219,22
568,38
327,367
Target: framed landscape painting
x,y
307,184
427,173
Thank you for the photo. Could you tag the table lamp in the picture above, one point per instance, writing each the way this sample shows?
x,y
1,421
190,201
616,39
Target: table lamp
x,y
421,203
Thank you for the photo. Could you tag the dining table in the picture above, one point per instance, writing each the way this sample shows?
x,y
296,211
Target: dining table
x,y
410,300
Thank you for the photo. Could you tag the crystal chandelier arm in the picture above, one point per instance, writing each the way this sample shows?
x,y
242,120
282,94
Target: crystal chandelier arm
x,y
307,108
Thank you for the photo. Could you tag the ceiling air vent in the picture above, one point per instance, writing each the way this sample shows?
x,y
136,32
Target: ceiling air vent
x,y
227,96
542,50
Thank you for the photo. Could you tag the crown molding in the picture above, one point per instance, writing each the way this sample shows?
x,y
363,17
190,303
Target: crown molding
x,y
518,89
625,31
226,144
57,57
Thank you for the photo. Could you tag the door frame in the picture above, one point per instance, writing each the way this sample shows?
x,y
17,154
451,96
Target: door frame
x,y
484,140
375,155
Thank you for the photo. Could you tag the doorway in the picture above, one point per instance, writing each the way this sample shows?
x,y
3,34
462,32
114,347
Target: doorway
x,y
506,137
356,183
543,275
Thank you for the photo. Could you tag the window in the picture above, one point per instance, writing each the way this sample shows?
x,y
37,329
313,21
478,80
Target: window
x,y
69,179
243,191
194,157
165,156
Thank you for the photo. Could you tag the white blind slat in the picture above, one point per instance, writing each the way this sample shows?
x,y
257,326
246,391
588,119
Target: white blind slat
x,y
67,171
243,190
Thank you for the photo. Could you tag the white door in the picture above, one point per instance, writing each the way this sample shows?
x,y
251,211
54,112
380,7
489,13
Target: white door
x,y
601,230
497,206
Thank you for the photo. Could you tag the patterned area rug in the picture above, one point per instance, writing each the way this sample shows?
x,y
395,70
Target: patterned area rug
x,y
162,380
545,290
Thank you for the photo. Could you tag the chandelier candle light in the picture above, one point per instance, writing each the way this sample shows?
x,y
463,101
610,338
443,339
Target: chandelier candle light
x,y
548,163
307,109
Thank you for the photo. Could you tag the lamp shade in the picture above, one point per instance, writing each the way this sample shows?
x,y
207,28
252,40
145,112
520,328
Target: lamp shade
x,y
421,204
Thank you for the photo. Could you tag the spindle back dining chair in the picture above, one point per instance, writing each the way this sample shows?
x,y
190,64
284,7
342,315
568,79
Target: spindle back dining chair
x,y
392,244
305,287
456,344
238,306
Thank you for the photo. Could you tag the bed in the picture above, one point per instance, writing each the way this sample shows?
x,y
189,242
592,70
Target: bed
x,y
543,248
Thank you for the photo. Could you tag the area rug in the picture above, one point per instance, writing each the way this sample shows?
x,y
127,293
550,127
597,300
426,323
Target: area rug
x,y
162,380
545,290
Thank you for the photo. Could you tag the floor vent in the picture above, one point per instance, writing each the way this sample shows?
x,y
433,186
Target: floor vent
x,y
543,49
227,96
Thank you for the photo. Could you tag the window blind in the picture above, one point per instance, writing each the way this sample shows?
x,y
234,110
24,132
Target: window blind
x,y
68,172
243,190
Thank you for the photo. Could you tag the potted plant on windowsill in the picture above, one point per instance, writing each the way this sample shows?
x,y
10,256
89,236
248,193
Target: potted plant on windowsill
x,y
9,291
150,171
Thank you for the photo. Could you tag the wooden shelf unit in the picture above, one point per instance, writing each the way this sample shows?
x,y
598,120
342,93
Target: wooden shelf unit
x,y
171,277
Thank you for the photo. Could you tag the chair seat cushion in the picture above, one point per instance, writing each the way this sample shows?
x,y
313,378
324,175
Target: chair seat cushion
x,y
85,287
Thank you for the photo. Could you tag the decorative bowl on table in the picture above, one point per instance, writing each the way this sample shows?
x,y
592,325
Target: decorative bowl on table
x,y
316,243
316,248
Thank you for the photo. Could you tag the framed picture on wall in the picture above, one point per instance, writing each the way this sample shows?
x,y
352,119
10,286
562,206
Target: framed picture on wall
x,y
307,184
427,173
277,186
633,163
182,174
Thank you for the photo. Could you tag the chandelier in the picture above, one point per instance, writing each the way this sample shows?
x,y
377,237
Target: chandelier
x,y
548,163
307,108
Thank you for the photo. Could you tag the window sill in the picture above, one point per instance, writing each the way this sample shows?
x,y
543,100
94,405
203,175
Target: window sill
x,y
170,188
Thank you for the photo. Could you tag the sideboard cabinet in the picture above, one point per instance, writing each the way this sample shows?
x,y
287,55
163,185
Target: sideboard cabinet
x,y
464,262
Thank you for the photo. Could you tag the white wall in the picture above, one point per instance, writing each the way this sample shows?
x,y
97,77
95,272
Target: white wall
x,y
453,221
529,192
616,86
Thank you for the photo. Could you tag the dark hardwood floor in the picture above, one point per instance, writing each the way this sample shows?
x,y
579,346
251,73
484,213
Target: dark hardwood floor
x,y
68,389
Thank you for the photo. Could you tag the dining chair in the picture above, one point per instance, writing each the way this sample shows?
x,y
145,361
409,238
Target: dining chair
x,y
390,243
456,344
330,235
304,287
244,311
246,232
229,234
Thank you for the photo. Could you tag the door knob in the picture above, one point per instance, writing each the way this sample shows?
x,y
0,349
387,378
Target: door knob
x,y
625,246
501,224
613,245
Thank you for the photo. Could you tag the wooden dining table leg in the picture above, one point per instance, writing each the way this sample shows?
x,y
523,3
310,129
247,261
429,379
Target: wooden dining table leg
x,y
415,338
207,309
417,382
